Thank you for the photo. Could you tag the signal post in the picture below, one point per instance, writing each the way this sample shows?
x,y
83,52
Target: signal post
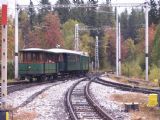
x,y
3,112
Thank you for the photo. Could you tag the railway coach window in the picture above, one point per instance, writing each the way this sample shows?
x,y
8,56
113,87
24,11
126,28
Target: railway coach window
x,y
24,57
28,57
60,59
40,58
77,58
31,57
37,57
50,58
72,58
34,56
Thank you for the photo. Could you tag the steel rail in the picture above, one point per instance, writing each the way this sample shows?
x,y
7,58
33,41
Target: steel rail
x,y
127,87
99,109
68,99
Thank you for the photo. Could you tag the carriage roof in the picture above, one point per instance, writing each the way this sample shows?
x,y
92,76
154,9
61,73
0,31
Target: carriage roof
x,y
54,50
57,50
32,50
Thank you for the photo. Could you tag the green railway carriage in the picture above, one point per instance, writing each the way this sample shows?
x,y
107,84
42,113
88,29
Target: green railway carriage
x,y
31,63
84,63
48,63
37,63
71,62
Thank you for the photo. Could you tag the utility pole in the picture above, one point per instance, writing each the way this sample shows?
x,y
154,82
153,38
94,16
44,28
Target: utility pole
x,y
117,66
119,46
96,55
16,39
76,39
146,39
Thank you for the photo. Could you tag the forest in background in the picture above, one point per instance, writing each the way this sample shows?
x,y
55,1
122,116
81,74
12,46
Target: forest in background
x,y
47,27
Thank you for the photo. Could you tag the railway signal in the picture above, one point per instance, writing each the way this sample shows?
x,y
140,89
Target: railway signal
x,y
3,111
4,56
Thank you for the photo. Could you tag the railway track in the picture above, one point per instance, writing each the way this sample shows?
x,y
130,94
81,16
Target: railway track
x,y
126,87
16,86
21,86
24,85
80,104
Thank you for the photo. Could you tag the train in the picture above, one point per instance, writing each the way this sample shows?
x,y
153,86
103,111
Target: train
x,y
41,64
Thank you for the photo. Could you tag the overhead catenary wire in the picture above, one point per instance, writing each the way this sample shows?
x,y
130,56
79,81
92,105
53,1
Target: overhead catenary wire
x,y
83,5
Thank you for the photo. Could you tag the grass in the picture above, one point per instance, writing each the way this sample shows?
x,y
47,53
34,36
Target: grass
x,y
138,82
145,113
10,80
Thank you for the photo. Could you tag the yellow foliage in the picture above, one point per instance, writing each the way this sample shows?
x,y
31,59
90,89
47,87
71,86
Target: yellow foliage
x,y
154,73
155,80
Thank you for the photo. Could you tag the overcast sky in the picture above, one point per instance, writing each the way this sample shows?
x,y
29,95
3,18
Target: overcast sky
x,y
11,3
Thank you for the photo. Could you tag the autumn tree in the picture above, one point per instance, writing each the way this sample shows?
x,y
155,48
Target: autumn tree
x,y
110,45
10,38
68,34
52,32
87,43
130,54
36,38
24,29
155,50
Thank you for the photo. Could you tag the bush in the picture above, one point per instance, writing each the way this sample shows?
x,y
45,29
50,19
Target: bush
x,y
10,70
154,72
131,69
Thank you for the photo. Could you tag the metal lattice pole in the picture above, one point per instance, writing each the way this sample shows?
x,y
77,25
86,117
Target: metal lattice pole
x,y
76,39
96,54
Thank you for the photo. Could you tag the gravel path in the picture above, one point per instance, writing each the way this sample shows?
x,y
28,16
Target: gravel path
x,y
47,106
102,93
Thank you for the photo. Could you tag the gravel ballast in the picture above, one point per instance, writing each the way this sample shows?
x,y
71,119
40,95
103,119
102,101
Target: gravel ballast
x,y
102,95
47,106
50,104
